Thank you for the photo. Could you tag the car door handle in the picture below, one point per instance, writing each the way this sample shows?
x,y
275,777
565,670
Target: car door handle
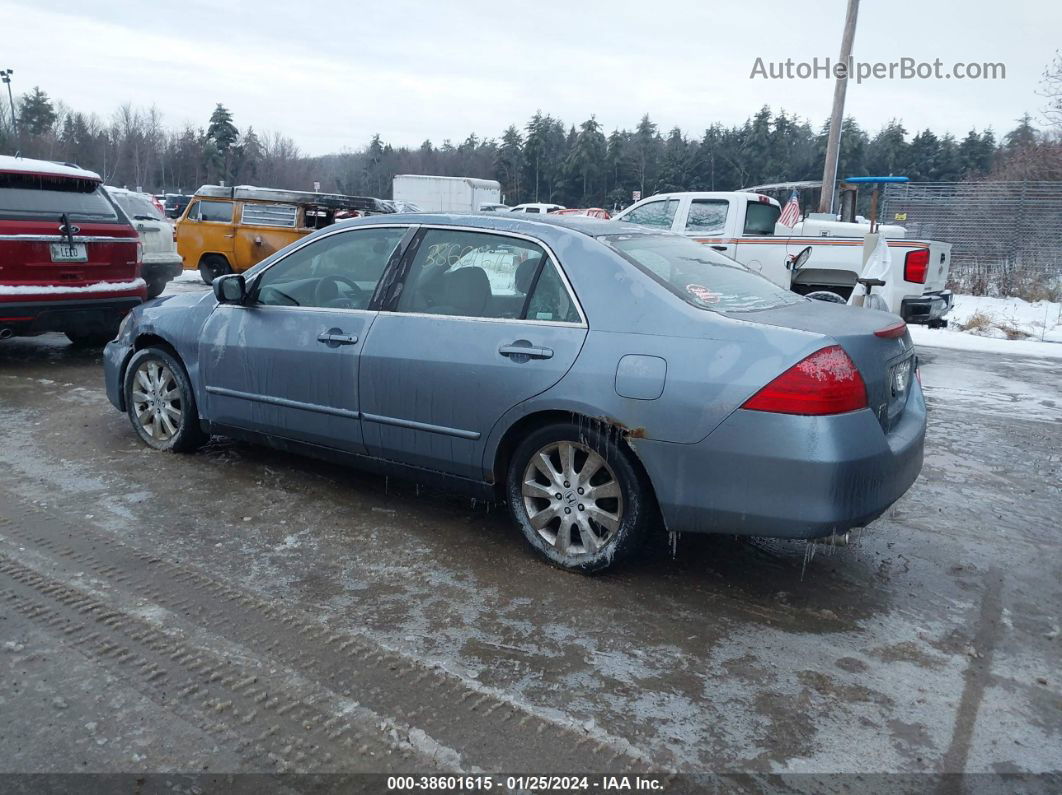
x,y
523,350
335,337
720,248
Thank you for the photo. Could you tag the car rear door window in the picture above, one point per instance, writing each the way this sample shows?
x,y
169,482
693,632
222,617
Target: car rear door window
x,y
659,214
707,216
478,274
339,271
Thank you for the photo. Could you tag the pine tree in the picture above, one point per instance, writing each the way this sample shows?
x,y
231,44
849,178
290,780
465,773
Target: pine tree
x,y
249,156
924,157
221,136
221,130
587,162
647,146
675,167
36,113
977,152
509,163
887,151
1022,136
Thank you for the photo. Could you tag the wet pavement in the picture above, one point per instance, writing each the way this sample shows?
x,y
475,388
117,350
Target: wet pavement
x,y
240,609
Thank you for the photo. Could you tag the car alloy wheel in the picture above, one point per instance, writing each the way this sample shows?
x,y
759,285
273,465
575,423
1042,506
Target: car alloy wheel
x,y
156,401
572,498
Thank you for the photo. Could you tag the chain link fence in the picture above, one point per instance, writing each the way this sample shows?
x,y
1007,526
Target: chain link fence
x,y
1006,236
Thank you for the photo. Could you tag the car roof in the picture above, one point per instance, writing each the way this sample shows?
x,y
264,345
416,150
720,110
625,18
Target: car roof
x,y
512,222
25,165
112,189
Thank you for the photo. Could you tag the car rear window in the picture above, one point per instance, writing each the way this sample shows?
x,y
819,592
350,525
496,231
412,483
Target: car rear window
x,y
39,197
698,275
138,207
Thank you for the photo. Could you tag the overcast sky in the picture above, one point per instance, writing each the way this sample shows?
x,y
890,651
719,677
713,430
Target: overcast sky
x,y
331,74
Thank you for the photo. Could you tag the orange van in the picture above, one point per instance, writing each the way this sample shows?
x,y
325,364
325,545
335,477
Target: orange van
x,y
227,230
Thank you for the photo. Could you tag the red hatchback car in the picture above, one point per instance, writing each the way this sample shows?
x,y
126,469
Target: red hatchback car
x,y
69,257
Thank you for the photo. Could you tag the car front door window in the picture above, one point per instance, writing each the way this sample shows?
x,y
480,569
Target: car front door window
x,y
340,271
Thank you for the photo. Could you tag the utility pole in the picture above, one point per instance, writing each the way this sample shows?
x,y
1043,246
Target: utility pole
x,y
5,75
833,142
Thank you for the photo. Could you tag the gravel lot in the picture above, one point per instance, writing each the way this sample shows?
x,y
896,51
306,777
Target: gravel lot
x,y
244,610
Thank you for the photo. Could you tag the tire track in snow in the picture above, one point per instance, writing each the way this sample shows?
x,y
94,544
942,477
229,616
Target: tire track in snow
x,y
484,730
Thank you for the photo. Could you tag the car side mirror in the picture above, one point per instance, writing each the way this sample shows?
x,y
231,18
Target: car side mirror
x,y
230,289
801,259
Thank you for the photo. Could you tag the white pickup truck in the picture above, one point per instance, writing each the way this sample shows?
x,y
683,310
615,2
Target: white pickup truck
x,y
744,226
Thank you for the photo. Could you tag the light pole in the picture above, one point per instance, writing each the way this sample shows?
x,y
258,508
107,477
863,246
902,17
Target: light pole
x,y
833,141
5,75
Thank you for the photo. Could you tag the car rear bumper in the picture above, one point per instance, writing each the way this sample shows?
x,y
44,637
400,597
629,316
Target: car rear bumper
x,y
163,267
785,476
926,308
81,315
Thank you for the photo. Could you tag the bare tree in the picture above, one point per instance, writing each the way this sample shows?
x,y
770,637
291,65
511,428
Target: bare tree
x,y
1051,90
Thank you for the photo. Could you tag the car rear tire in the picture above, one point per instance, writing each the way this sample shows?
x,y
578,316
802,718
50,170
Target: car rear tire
x,y
155,288
91,339
160,402
579,497
212,266
829,296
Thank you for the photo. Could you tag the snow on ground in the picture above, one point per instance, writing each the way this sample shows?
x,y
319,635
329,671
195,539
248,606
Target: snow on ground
x,y
189,276
998,325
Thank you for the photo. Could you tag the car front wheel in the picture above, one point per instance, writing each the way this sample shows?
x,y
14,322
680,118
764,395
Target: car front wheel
x,y
213,266
160,403
578,496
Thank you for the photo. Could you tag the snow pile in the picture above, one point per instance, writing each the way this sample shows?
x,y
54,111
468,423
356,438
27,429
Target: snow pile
x,y
99,287
189,276
1007,318
998,325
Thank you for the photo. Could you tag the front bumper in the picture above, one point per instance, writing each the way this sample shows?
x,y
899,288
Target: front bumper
x,y
926,308
116,355
785,476
79,316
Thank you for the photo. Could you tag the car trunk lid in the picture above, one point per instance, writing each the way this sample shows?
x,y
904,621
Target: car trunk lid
x,y
878,342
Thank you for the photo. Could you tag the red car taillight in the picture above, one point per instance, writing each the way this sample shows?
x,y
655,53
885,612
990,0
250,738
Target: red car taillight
x,y
916,265
895,331
827,382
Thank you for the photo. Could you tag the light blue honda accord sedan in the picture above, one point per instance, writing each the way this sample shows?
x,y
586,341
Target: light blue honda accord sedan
x,y
604,380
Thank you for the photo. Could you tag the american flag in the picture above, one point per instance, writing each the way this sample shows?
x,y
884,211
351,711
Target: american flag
x,y
791,212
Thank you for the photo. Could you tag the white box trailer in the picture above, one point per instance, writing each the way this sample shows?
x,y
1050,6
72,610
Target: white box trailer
x,y
446,194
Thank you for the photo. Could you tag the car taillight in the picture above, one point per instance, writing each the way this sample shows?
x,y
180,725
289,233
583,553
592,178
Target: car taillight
x,y
895,331
916,265
827,382
139,253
